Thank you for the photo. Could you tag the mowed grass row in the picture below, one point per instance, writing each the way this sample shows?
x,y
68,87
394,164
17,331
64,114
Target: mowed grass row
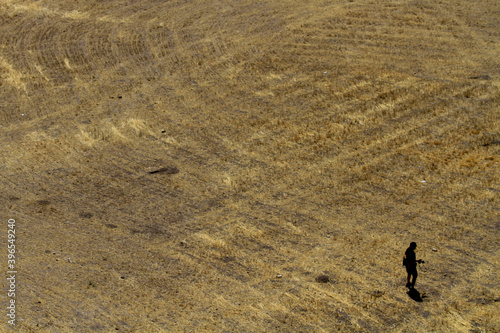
x,y
302,134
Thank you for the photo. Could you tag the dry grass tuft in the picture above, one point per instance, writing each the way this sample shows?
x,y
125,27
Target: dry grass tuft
x,y
241,166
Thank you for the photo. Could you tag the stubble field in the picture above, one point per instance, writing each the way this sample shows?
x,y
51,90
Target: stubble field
x,y
199,165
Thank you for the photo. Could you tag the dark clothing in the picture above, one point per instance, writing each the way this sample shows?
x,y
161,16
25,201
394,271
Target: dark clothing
x,y
411,258
412,271
411,265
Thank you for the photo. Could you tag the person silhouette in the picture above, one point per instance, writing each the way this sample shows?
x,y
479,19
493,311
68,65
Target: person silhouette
x,y
410,261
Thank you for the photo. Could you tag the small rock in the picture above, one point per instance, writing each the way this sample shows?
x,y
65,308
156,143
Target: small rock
x,y
434,249
279,276
323,279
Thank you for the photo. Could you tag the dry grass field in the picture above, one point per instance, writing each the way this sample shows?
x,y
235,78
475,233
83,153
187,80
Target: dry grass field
x,y
197,166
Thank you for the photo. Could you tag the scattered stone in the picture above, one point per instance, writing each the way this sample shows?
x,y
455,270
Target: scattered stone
x,y
434,249
170,170
279,276
323,279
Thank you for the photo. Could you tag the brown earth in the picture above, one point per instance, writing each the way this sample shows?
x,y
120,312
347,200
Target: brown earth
x,y
250,166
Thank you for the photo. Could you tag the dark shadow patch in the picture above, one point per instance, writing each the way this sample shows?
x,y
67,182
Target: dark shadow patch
x,y
151,230
415,295
323,279
481,77
43,202
491,143
169,170
85,215
111,225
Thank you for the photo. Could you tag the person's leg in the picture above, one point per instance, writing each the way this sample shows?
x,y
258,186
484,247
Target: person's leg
x,y
408,276
414,274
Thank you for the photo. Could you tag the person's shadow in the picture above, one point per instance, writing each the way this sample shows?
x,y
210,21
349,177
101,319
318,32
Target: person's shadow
x,y
415,295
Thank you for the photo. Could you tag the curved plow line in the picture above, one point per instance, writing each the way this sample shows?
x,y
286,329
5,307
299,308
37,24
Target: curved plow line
x,y
38,10
13,77
395,136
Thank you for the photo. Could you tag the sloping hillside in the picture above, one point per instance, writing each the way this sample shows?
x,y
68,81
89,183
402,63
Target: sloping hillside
x,y
199,165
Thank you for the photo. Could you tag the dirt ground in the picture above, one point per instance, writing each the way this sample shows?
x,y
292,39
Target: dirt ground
x,y
249,166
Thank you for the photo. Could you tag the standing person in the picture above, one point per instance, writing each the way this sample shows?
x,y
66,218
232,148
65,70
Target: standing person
x,y
410,261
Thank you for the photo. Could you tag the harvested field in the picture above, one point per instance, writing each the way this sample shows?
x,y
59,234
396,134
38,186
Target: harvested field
x,y
246,166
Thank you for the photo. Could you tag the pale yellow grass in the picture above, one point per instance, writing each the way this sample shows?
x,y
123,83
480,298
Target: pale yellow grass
x,y
311,139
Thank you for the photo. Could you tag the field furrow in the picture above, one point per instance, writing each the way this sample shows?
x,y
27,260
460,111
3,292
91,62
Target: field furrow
x,y
249,166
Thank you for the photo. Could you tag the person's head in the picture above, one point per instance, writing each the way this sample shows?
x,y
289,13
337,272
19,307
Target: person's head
x,y
413,245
